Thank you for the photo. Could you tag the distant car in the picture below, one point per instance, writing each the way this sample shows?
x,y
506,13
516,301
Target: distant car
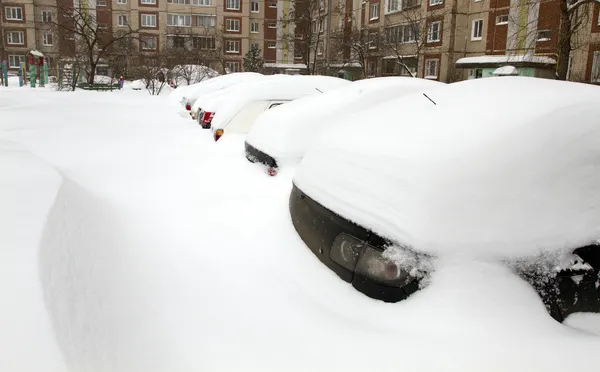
x,y
245,102
286,134
213,85
469,171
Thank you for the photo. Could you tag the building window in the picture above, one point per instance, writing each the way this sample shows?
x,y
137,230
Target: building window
x,y
477,30
595,78
179,20
100,3
15,37
371,68
47,39
392,6
411,3
148,42
272,25
254,27
475,73
148,2
176,41
46,16
434,31
192,2
372,40
502,20
273,5
204,43
205,20
232,4
13,13
15,61
320,48
403,34
123,21
298,55
272,45
544,35
232,25
149,20
374,12
435,2
232,66
232,46
322,25
121,2
254,7
431,68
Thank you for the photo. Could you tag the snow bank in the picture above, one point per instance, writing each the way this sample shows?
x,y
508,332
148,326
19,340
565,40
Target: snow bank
x,y
28,188
286,132
510,176
274,88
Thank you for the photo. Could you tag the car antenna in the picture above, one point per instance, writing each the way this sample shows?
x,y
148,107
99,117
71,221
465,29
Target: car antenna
x,y
432,101
319,90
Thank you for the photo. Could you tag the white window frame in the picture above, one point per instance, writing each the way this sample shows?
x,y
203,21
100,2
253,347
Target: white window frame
x,y
254,27
272,3
146,17
232,25
120,19
253,5
45,18
200,2
148,2
427,68
122,2
271,45
8,13
374,12
233,4
271,25
477,30
595,74
229,64
322,25
45,39
232,46
542,39
20,58
211,17
499,22
179,20
101,3
435,2
143,43
212,42
392,6
430,38
9,38
476,1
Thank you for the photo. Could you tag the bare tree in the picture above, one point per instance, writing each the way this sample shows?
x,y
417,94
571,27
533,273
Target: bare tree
x,y
91,41
358,46
192,54
307,18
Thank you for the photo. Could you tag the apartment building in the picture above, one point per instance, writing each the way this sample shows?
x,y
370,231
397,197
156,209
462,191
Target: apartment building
x,y
27,25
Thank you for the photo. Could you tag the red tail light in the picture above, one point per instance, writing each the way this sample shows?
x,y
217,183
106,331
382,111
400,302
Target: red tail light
x,y
271,171
207,117
188,107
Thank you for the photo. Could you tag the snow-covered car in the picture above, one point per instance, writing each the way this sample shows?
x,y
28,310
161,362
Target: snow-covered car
x,y
514,179
246,102
213,85
286,133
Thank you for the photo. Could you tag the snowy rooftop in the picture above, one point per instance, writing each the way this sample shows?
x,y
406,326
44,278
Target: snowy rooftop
x,y
504,179
511,59
287,131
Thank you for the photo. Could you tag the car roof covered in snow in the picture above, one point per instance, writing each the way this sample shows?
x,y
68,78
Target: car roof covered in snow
x,y
507,166
287,131
288,87
220,82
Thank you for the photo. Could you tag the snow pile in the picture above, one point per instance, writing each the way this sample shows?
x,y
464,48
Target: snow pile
x,y
217,83
287,131
506,71
507,179
286,87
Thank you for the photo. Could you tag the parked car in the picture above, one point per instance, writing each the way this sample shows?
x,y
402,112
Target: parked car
x,y
512,179
215,84
285,134
246,102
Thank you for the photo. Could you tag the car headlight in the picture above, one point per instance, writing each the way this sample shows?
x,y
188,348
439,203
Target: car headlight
x,y
362,258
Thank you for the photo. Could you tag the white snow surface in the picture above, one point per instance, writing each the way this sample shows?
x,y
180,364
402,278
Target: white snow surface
x,y
217,83
505,71
115,258
284,87
585,322
465,176
287,131
506,59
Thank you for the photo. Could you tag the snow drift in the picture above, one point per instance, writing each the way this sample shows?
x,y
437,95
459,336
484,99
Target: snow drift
x,y
516,173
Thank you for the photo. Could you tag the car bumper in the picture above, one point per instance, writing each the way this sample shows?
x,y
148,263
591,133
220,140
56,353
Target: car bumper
x,y
254,155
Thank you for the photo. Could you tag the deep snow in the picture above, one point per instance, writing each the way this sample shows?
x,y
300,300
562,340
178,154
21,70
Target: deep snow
x,y
463,175
132,242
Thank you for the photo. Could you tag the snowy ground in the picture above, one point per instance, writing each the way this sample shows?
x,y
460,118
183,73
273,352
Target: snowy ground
x,y
132,242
